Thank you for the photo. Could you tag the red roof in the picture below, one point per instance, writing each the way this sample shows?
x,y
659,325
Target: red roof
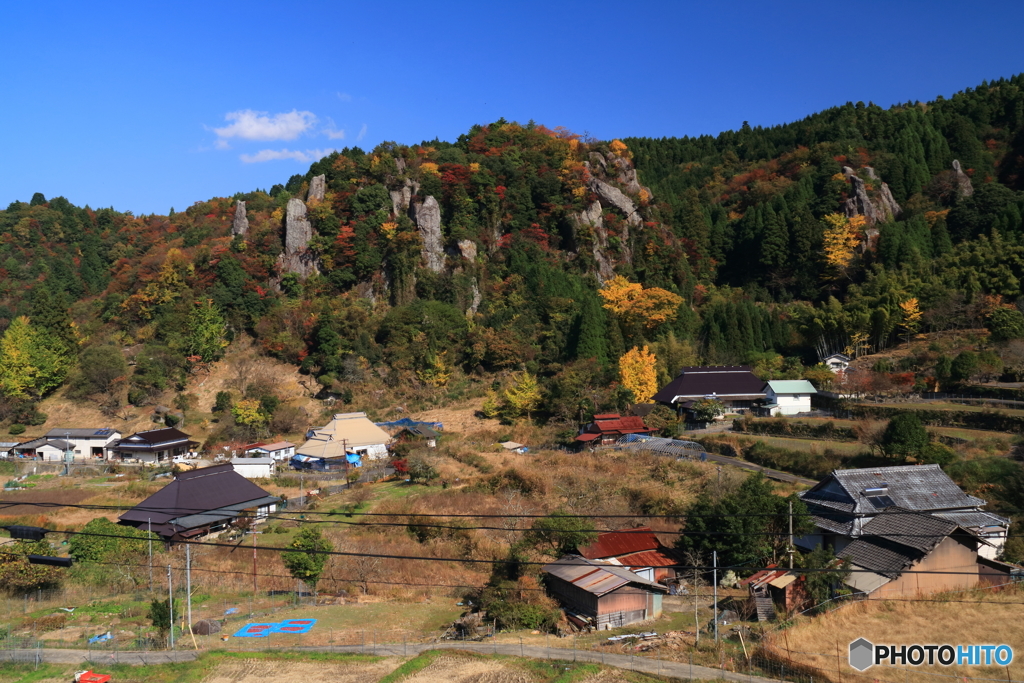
x,y
649,558
618,543
613,423
588,437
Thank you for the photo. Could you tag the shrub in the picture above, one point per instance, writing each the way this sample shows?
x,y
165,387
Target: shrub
x,y
16,429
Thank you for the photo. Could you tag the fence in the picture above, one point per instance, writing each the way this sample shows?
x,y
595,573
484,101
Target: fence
x,y
365,476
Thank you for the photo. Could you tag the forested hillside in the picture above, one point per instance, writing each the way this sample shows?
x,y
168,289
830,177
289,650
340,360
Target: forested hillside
x,y
520,254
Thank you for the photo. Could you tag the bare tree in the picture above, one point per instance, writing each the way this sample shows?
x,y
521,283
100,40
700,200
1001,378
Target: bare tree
x,y
363,567
512,507
869,433
694,559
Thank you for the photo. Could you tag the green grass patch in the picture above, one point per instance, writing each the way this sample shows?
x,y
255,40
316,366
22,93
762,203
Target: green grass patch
x,y
28,673
414,665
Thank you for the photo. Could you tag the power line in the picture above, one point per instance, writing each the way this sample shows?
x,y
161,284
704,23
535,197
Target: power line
x,y
421,558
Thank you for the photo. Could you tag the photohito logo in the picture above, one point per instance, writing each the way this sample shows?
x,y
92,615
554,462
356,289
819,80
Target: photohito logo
x,y
864,654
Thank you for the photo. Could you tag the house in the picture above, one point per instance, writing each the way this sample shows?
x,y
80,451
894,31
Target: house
x,y
901,552
89,442
844,502
787,397
200,502
7,448
639,550
773,586
255,468
837,362
153,446
607,428
734,385
602,595
54,450
279,450
347,433
417,433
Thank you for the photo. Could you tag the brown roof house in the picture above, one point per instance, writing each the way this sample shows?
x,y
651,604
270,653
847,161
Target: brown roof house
x,y
154,445
734,385
200,502
602,595
607,428
639,550
905,553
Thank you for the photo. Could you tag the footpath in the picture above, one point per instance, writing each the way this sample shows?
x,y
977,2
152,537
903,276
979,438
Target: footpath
x,y
657,667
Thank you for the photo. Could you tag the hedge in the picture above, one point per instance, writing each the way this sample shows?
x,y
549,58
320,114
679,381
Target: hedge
x,y
827,431
989,421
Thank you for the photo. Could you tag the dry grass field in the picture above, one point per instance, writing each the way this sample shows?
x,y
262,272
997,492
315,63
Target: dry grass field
x,y
979,617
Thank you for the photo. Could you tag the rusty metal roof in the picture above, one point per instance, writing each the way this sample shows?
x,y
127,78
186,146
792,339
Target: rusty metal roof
x,y
622,542
596,577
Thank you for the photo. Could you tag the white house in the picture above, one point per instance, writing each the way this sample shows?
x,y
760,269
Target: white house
x,y
254,468
87,443
837,362
788,396
279,450
347,434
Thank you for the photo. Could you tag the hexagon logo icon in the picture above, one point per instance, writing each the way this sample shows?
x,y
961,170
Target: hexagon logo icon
x,y
862,654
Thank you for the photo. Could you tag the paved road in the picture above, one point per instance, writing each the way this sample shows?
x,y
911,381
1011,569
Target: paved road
x,y
768,472
658,667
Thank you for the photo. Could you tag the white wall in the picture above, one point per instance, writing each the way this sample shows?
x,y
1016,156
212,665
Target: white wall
x,y
790,404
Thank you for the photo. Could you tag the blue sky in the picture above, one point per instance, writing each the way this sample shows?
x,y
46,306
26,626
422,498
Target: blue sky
x,y
147,106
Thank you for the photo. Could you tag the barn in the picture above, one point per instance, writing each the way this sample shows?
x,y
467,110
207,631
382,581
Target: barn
x,y
602,595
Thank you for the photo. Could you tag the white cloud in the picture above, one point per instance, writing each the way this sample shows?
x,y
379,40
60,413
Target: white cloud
x,y
258,125
335,134
222,144
307,156
362,133
344,97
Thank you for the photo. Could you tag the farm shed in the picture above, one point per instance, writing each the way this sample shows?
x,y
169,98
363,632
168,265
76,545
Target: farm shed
x,y
602,594
254,468
609,427
639,550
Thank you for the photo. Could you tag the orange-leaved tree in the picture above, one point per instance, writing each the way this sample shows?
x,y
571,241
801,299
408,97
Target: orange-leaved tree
x,y
637,306
638,374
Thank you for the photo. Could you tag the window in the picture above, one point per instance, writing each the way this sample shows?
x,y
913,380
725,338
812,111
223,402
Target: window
x,y
262,512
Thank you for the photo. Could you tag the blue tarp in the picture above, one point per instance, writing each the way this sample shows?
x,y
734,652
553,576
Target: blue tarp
x,y
354,459
262,630
101,637
409,422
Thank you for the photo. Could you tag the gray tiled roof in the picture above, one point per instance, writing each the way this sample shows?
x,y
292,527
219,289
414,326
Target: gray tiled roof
x,y
896,539
974,519
91,433
912,487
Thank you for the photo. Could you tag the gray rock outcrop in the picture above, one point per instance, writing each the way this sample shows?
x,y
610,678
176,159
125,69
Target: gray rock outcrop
x,y
627,175
963,182
297,233
317,188
477,297
591,220
240,225
428,220
612,195
467,248
879,210
400,199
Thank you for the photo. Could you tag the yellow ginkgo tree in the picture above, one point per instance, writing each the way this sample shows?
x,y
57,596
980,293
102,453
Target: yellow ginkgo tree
x,y
638,306
840,242
637,372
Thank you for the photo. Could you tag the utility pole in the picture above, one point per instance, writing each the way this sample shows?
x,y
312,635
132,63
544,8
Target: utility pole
x,y
254,564
714,609
170,604
790,534
188,583
150,522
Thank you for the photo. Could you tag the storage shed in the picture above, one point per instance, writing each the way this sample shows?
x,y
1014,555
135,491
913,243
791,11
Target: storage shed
x,y
601,594
254,468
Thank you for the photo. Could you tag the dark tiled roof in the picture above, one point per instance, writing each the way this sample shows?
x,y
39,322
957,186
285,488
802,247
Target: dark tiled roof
x,y
896,539
624,542
835,523
973,519
154,436
913,487
193,493
725,381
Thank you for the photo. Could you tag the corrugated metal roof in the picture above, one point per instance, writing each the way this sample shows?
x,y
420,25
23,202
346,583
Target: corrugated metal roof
x,y
91,433
623,542
648,558
595,576
974,519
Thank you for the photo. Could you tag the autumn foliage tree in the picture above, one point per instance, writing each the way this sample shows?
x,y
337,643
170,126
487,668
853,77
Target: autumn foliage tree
x,y
637,306
840,242
638,373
